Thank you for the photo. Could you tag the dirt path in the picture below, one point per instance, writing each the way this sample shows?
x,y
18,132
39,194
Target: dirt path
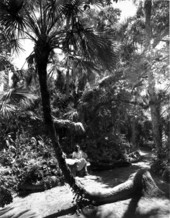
x,y
49,203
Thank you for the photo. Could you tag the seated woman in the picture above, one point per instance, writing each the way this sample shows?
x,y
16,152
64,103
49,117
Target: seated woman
x,y
79,167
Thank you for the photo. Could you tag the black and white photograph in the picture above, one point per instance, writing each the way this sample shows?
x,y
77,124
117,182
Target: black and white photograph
x,y
84,109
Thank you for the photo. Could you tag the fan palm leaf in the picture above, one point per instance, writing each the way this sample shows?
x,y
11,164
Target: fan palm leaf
x,y
16,95
11,15
91,46
15,99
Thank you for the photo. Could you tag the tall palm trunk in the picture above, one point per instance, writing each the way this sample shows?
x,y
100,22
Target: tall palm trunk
x,y
42,55
154,106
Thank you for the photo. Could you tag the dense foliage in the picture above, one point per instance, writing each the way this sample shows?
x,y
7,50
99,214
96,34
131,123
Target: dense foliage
x,y
29,160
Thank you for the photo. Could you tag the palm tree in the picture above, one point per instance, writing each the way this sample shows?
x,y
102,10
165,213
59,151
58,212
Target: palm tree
x,y
50,25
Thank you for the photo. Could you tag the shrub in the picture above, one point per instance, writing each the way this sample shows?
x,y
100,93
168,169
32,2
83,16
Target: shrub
x,y
158,166
32,161
5,196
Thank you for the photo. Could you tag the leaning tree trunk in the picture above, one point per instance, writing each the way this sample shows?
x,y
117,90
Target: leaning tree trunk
x,y
154,106
42,54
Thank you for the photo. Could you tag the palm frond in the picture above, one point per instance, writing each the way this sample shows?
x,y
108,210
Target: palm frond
x,y
8,42
90,45
53,14
7,110
101,49
85,64
15,45
15,99
32,24
12,17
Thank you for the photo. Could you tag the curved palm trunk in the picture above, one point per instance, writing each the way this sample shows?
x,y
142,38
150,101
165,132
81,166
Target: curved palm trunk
x,y
41,61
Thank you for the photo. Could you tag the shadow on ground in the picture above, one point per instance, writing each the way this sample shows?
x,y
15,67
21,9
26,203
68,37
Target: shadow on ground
x,y
9,213
111,178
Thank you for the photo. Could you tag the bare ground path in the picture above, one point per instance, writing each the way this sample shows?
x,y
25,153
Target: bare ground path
x,y
57,201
